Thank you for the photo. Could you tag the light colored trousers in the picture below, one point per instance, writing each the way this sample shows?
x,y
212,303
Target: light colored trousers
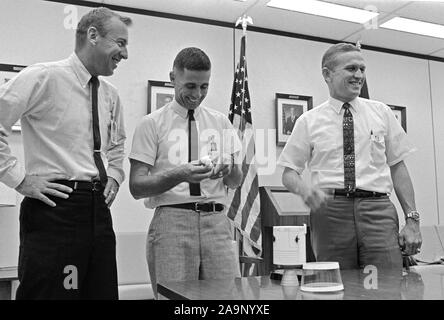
x,y
188,245
357,232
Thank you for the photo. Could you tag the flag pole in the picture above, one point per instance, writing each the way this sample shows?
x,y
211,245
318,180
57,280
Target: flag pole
x,y
244,20
244,209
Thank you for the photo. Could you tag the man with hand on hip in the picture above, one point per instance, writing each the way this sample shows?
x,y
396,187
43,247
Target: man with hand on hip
x,y
72,124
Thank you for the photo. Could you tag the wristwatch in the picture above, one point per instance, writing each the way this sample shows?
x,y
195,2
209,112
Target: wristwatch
x,y
413,215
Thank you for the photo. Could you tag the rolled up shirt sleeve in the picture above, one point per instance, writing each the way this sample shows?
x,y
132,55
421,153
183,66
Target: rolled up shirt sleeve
x,y
144,147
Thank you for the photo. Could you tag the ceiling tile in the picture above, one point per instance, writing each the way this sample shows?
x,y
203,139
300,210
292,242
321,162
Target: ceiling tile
x,y
301,23
398,40
294,22
379,5
424,11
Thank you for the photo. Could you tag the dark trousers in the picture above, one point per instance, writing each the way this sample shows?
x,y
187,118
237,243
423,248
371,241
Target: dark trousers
x,y
69,251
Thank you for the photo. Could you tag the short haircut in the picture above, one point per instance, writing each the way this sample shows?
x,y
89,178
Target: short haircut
x,y
97,18
192,59
328,59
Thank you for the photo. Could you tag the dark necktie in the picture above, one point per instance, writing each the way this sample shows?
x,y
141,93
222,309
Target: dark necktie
x,y
193,149
349,149
96,132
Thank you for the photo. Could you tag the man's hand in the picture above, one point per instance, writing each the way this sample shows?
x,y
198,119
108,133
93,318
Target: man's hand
x,y
409,238
38,187
223,167
314,198
195,171
110,192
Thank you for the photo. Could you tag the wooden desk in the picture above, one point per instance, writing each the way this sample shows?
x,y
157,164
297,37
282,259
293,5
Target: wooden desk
x,y
7,276
390,286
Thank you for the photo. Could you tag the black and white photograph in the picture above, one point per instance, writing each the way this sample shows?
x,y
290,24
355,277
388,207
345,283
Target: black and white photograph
x,y
400,115
289,108
159,94
177,149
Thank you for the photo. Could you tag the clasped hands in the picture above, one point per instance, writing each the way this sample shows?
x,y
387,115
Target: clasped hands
x,y
206,168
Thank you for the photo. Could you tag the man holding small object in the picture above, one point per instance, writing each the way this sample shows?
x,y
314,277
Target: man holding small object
x,y
182,159
355,149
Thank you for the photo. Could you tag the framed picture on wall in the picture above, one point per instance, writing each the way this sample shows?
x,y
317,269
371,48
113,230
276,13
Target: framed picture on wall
x,y
159,94
289,108
400,115
7,72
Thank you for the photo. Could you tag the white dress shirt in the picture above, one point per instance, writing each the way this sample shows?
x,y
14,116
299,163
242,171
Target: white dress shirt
x,y
53,102
317,141
161,140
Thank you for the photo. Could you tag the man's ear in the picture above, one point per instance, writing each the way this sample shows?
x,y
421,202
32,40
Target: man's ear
x,y
92,34
326,74
172,77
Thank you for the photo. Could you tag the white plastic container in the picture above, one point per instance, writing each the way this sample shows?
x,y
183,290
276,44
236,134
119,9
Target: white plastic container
x,y
321,277
289,245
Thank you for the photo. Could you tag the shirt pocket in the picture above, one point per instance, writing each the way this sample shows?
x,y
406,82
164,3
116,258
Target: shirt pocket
x,y
113,124
377,148
106,118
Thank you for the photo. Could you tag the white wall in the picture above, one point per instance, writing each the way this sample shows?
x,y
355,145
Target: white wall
x,y
404,81
34,31
437,93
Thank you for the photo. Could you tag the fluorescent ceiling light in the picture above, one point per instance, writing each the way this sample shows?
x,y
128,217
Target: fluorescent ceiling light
x,y
324,9
415,26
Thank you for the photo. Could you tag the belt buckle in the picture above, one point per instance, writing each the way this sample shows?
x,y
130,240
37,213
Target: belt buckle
x,y
196,207
96,185
349,192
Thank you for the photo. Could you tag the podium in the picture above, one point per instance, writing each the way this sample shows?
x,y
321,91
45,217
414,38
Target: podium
x,y
279,207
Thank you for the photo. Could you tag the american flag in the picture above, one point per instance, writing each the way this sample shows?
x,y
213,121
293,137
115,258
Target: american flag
x,y
245,206
364,91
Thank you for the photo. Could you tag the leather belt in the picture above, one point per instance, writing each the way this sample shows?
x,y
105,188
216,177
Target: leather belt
x,y
94,185
198,206
358,193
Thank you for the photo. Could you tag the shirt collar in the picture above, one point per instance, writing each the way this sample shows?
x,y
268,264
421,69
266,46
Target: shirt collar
x,y
79,69
182,111
337,104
